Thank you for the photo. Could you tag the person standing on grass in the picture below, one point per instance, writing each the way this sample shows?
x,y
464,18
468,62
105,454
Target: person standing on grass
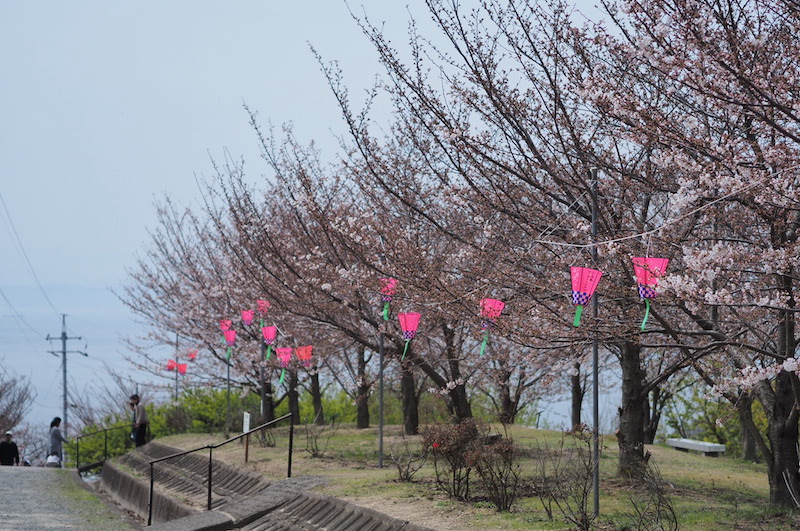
x,y
56,438
9,453
139,421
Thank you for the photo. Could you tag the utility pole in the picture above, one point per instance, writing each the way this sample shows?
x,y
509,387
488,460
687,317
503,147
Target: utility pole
x,y
64,353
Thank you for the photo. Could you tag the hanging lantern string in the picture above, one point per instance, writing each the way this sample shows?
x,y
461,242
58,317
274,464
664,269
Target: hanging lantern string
x,y
689,214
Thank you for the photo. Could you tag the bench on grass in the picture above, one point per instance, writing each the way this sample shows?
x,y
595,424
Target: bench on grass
x,y
709,449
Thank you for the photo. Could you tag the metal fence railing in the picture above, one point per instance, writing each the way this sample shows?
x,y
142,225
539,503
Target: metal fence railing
x,y
105,445
210,448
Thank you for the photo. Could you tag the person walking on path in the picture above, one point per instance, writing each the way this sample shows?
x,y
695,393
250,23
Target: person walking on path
x,y
139,421
9,453
56,438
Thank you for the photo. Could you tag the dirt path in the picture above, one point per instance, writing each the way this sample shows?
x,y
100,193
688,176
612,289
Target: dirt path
x,y
39,499
446,518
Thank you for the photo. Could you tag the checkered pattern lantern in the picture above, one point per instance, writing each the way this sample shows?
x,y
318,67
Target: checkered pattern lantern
x,y
304,355
648,271
388,287
490,310
269,333
262,307
230,340
247,317
285,356
408,323
584,282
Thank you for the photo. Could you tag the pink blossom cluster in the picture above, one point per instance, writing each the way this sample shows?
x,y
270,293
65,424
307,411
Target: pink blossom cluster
x,y
447,388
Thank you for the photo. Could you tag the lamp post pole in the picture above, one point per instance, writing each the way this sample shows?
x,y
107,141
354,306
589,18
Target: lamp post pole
x,y
380,396
228,415
595,363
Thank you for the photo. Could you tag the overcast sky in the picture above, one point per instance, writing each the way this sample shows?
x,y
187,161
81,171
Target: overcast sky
x,y
108,105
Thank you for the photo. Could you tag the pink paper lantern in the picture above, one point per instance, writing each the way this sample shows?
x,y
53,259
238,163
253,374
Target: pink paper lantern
x,y
262,307
181,368
193,355
491,308
388,287
247,317
225,324
230,337
269,333
648,271
171,365
304,354
284,355
584,282
409,323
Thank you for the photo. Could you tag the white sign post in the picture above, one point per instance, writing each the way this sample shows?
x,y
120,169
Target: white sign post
x,y
246,422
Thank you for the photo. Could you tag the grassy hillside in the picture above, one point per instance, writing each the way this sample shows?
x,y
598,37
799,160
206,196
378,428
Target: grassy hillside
x,y
706,493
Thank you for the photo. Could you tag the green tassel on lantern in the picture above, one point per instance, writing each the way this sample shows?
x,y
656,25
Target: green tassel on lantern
x,y
269,351
646,313
485,339
405,349
283,373
386,311
578,312
228,356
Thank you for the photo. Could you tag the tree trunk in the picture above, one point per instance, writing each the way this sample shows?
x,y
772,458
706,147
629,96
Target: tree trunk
x,y
408,390
652,416
362,392
749,448
577,396
782,432
630,436
269,403
316,397
508,406
461,406
294,397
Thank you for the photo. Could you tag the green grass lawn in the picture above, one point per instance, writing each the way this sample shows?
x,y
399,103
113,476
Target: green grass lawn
x,y
706,493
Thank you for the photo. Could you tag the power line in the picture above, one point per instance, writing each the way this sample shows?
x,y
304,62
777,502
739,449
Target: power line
x,y
21,249
19,319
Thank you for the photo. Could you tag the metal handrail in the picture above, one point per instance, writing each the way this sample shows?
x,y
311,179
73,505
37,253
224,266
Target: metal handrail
x,y
210,448
105,442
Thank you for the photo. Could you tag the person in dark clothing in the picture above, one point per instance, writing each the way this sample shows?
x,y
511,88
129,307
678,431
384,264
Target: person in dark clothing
x,y
139,421
9,453
56,438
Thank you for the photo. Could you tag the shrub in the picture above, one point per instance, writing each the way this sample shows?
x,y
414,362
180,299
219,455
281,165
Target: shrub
x,y
565,477
319,436
407,458
448,444
498,469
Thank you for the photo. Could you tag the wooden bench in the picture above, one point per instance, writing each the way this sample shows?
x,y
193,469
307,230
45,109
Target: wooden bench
x,y
709,449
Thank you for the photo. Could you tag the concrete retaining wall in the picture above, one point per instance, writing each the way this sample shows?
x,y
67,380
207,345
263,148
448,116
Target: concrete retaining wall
x,y
132,494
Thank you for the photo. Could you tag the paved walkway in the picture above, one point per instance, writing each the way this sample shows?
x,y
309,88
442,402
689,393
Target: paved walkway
x,y
45,499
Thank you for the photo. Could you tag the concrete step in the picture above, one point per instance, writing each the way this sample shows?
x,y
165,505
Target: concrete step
x,y
187,476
